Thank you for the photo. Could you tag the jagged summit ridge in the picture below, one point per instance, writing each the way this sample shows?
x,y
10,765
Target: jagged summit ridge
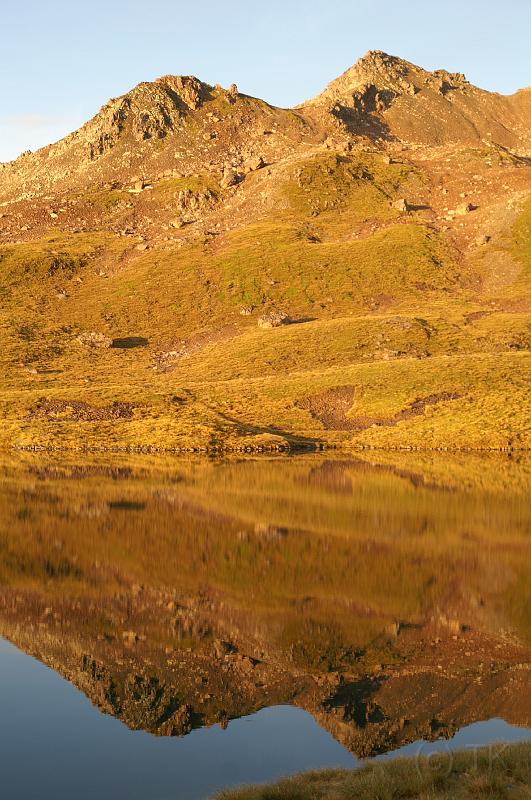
x,y
375,67
155,121
388,73
179,123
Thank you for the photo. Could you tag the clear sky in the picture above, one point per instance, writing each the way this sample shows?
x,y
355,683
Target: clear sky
x,y
60,60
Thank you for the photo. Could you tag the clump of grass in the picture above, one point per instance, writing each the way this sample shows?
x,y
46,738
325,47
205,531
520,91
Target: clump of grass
x,y
497,772
359,185
166,188
522,238
111,200
54,255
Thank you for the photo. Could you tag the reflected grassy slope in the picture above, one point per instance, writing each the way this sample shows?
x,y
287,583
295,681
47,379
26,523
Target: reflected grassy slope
x,y
285,539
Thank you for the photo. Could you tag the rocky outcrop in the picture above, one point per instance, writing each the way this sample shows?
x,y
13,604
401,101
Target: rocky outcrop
x,y
190,204
374,81
150,111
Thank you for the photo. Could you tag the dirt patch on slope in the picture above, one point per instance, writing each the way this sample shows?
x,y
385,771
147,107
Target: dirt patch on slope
x,y
76,411
332,406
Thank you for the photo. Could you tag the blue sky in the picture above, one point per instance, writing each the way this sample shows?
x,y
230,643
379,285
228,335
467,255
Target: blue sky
x,y
62,59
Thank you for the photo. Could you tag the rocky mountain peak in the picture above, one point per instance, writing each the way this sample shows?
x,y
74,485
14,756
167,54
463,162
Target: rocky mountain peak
x,y
149,111
179,123
379,71
377,67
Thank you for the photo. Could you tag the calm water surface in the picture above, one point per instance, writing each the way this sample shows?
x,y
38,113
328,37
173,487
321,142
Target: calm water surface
x,y
171,629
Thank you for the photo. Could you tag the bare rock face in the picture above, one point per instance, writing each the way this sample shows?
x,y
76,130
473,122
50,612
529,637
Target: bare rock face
x,y
190,203
150,111
273,319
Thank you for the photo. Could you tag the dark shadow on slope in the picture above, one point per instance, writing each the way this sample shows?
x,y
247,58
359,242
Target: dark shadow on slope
x,y
360,122
302,320
129,342
419,208
126,505
246,429
295,442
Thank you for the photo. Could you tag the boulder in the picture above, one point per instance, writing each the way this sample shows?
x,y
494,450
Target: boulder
x,y
401,205
273,319
255,163
94,339
464,209
230,178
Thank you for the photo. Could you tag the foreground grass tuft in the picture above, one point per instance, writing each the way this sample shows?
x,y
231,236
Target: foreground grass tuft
x,y
496,772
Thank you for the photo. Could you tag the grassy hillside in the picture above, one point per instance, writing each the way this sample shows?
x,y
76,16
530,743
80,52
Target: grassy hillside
x,y
399,338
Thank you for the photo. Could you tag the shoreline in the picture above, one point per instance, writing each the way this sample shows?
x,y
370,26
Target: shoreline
x,y
254,450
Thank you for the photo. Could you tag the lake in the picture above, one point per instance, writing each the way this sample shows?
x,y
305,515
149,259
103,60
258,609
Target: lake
x,y
174,627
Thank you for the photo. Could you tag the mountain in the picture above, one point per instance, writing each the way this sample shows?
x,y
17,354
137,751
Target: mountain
x,y
432,108
197,269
